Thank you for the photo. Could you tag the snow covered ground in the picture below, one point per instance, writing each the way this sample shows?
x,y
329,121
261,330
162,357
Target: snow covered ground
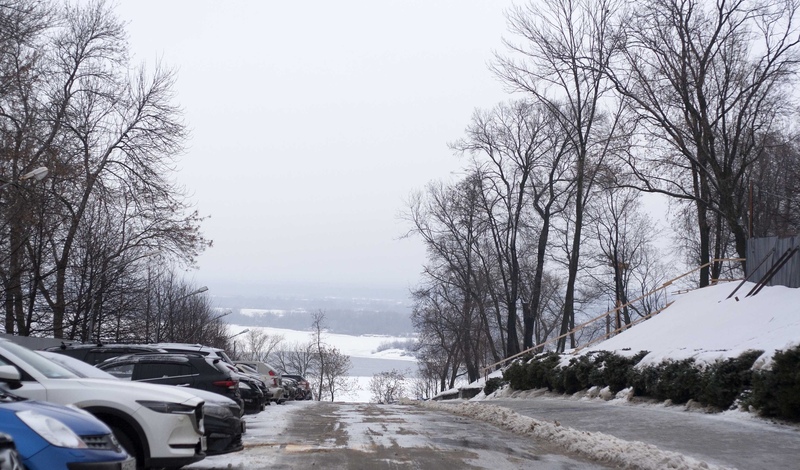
x,y
362,349
703,324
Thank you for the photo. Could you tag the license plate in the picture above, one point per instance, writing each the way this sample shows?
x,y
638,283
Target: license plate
x,y
203,443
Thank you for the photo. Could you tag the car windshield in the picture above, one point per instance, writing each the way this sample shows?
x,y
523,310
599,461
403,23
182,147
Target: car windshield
x,y
44,366
78,367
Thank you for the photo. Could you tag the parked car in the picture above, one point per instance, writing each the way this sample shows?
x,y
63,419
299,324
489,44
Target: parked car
x,y
290,388
97,353
184,370
270,376
194,348
159,427
9,456
253,395
55,437
261,393
303,384
222,416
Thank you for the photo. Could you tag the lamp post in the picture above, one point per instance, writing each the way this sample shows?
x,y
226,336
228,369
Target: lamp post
x,y
15,241
196,330
234,343
171,314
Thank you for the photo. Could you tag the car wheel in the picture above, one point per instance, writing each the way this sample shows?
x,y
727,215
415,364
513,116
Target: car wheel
x,y
129,445
10,460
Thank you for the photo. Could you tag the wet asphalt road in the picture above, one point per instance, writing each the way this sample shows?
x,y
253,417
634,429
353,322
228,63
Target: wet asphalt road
x,y
369,436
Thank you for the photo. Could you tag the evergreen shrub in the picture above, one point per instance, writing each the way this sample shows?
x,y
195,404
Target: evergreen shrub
x,y
542,371
517,376
492,385
724,381
613,371
644,380
776,392
575,376
678,381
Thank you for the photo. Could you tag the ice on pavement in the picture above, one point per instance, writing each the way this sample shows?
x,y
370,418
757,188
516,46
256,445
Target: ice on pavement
x,y
594,445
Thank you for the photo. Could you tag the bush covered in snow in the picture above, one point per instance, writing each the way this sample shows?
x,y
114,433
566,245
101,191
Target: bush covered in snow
x,y
493,385
776,391
534,373
678,381
724,381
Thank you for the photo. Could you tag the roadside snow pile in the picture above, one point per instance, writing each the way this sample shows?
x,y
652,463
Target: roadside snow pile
x,y
593,445
703,324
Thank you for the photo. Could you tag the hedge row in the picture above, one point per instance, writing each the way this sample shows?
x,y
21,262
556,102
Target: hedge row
x,y
774,392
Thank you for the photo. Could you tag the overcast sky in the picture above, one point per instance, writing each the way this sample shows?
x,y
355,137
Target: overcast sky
x,y
312,122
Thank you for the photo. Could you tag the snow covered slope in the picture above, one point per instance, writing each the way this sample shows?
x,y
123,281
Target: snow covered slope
x,y
704,325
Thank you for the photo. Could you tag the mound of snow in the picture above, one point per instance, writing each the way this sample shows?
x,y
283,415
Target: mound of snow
x,y
703,324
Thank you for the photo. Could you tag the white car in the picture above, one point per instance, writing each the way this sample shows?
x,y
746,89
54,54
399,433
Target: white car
x,y
159,426
269,375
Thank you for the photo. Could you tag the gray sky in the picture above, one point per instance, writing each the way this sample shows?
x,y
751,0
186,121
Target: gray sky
x,y
313,121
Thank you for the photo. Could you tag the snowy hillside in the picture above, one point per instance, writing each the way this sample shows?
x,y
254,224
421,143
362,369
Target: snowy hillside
x,y
704,325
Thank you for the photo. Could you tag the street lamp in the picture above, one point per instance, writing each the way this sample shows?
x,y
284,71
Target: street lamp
x,y
196,330
171,314
239,333
198,291
234,343
38,174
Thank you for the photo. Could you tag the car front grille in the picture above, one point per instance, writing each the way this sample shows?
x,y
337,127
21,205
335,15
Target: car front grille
x,y
101,442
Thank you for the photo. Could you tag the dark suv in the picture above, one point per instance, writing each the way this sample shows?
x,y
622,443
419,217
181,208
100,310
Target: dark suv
x,y
304,388
184,370
96,353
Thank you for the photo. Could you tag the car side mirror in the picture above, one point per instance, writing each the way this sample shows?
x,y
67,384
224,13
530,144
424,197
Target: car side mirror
x,y
10,375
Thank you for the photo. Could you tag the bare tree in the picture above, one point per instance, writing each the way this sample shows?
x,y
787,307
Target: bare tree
x,y
623,234
560,62
295,358
456,285
387,387
329,367
709,80
334,377
259,345
504,144
109,132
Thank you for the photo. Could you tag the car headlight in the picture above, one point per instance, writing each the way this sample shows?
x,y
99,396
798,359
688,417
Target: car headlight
x,y
166,407
52,430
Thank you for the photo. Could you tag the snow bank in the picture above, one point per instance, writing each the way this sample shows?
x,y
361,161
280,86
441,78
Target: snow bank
x,y
592,445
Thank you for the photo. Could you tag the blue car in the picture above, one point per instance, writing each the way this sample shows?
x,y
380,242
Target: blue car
x,y
55,437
